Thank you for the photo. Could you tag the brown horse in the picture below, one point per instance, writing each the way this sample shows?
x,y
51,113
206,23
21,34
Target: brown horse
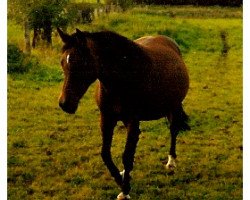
x,y
145,79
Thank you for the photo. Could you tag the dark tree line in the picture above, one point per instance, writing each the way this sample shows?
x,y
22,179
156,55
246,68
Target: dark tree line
x,y
192,2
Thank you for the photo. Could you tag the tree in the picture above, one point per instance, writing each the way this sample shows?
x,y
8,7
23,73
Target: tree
x,y
47,15
18,10
38,15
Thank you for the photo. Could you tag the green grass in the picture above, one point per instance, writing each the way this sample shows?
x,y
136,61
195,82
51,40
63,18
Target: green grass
x,y
53,155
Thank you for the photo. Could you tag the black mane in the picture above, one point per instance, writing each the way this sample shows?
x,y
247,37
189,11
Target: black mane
x,y
115,49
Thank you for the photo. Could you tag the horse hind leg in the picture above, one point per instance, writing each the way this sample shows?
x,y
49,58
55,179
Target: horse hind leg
x,y
178,122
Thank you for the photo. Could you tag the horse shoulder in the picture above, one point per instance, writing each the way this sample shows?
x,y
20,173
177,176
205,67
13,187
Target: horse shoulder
x,y
108,103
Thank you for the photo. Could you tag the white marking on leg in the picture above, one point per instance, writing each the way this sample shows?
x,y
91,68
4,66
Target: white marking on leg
x,y
171,165
67,58
122,174
122,196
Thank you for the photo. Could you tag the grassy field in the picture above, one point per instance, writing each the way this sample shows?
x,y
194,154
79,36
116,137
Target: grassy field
x,y
53,155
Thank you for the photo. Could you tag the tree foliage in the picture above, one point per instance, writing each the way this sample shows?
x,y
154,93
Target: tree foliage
x,y
17,61
48,11
39,15
37,12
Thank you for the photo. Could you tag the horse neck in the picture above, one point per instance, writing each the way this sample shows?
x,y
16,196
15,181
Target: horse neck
x,y
120,59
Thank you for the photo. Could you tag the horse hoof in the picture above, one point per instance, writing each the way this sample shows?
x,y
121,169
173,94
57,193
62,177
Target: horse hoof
x,y
170,170
171,165
122,196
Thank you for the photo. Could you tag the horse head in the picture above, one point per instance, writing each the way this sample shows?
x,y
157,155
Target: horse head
x,y
79,68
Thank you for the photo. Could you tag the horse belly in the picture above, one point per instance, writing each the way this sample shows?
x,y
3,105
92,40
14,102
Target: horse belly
x,y
151,112
162,93
152,108
143,107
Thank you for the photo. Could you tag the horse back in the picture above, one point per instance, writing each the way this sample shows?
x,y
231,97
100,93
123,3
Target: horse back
x,y
159,41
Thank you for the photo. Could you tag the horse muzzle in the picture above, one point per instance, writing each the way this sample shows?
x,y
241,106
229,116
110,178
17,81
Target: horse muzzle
x,y
68,107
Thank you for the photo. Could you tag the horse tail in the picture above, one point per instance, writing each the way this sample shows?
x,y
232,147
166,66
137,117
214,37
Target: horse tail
x,y
181,119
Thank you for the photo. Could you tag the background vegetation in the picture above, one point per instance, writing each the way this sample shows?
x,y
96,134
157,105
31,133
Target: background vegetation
x,y
52,155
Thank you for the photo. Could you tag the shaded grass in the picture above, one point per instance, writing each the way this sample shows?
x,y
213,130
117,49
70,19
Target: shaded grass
x,y
52,155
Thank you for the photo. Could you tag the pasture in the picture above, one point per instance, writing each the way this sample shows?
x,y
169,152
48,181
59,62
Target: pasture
x,y
53,155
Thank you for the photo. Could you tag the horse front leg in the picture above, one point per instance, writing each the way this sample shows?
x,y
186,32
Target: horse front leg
x,y
107,127
133,132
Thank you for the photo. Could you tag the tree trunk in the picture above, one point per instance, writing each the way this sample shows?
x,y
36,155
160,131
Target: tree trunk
x,y
48,32
36,37
27,37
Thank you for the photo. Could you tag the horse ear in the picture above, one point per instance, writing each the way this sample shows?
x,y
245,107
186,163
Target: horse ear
x,y
78,31
65,37
81,37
